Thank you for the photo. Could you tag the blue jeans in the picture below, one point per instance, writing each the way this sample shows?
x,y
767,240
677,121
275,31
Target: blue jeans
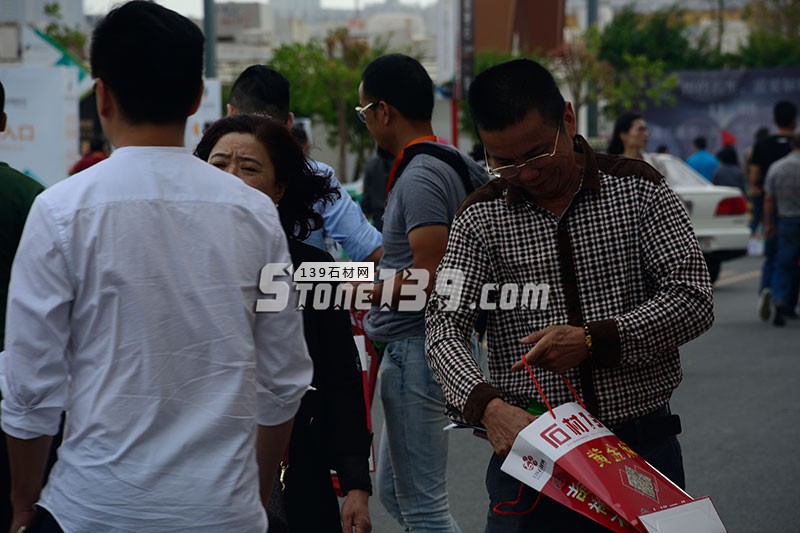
x,y
768,268
519,511
786,275
412,458
757,203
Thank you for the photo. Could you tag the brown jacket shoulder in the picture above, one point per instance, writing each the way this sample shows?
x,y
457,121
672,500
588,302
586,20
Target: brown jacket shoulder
x,y
492,190
616,165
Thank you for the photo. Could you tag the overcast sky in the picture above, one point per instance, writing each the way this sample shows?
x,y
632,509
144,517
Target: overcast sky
x,y
194,8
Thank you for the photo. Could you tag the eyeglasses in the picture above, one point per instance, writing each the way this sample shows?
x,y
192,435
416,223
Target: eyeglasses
x,y
361,112
512,171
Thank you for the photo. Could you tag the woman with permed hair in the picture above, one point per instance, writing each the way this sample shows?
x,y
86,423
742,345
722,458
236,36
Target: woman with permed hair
x,y
330,429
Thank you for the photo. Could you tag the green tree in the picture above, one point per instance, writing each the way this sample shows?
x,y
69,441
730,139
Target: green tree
x,y
639,84
325,77
779,17
774,34
72,39
764,49
660,36
578,68
642,50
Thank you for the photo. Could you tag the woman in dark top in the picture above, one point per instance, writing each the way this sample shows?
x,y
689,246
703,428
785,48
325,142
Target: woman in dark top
x,y
629,137
729,172
330,429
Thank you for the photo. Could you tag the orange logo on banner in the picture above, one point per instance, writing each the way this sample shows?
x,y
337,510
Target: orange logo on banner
x,y
22,133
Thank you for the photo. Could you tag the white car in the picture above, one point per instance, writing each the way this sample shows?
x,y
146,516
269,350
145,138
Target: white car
x,y
719,214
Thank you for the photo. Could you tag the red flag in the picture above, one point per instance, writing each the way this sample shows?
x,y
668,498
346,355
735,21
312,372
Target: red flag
x,y
727,138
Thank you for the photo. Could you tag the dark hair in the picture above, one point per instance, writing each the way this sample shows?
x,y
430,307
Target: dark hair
x,y
262,90
402,82
700,143
622,125
662,149
2,98
502,95
761,133
305,186
300,135
728,156
152,60
784,114
97,144
478,153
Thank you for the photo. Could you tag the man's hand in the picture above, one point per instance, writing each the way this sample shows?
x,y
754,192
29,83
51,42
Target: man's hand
x,y
770,212
23,516
355,512
556,348
271,442
503,423
28,459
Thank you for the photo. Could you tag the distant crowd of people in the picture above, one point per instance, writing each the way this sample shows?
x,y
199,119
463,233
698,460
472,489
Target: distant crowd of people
x,y
145,389
774,196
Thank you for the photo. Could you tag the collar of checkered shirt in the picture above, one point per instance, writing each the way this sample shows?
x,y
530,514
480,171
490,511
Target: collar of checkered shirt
x,y
584,156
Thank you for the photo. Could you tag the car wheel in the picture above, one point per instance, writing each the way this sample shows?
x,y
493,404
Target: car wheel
x,y
714,266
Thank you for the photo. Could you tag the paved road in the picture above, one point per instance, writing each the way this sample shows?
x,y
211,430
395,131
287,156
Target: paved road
x,y
741,417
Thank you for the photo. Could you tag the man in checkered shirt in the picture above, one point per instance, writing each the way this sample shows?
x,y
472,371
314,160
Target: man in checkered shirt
x,y
618,279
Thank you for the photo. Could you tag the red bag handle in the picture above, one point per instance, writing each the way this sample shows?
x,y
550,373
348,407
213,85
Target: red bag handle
x,y
541,392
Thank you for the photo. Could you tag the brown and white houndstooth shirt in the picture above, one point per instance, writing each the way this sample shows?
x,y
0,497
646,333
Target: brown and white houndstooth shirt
x,y
623,259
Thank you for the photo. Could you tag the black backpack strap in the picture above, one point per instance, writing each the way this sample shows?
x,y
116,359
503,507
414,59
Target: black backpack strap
x,y
457,163
438,151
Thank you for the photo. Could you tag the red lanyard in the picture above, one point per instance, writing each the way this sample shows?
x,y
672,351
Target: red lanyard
x,y
399,158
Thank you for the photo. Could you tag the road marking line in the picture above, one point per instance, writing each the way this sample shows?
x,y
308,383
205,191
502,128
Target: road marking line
x,y
731,280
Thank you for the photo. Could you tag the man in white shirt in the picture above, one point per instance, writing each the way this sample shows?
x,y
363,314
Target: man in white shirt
x,y
132,308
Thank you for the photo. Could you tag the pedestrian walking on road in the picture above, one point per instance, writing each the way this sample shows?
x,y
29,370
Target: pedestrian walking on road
x,y
729,173
625,280
766,152
265,155
396,104
703,161
782,222
132,308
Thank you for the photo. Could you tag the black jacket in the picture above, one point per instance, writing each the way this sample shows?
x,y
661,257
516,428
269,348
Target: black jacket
x,y
330,428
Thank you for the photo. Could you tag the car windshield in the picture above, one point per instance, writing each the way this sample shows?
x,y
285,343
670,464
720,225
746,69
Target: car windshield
x,y
677,172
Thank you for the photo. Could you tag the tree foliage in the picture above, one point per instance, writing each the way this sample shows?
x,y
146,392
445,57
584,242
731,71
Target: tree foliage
x,y
642,51
578,68
661,36
781,18
641,83
72,39
774,39
665,36
325,75
764,49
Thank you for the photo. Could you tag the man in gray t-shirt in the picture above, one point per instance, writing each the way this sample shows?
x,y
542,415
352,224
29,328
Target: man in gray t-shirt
x,y
782,216
396,103
426,195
